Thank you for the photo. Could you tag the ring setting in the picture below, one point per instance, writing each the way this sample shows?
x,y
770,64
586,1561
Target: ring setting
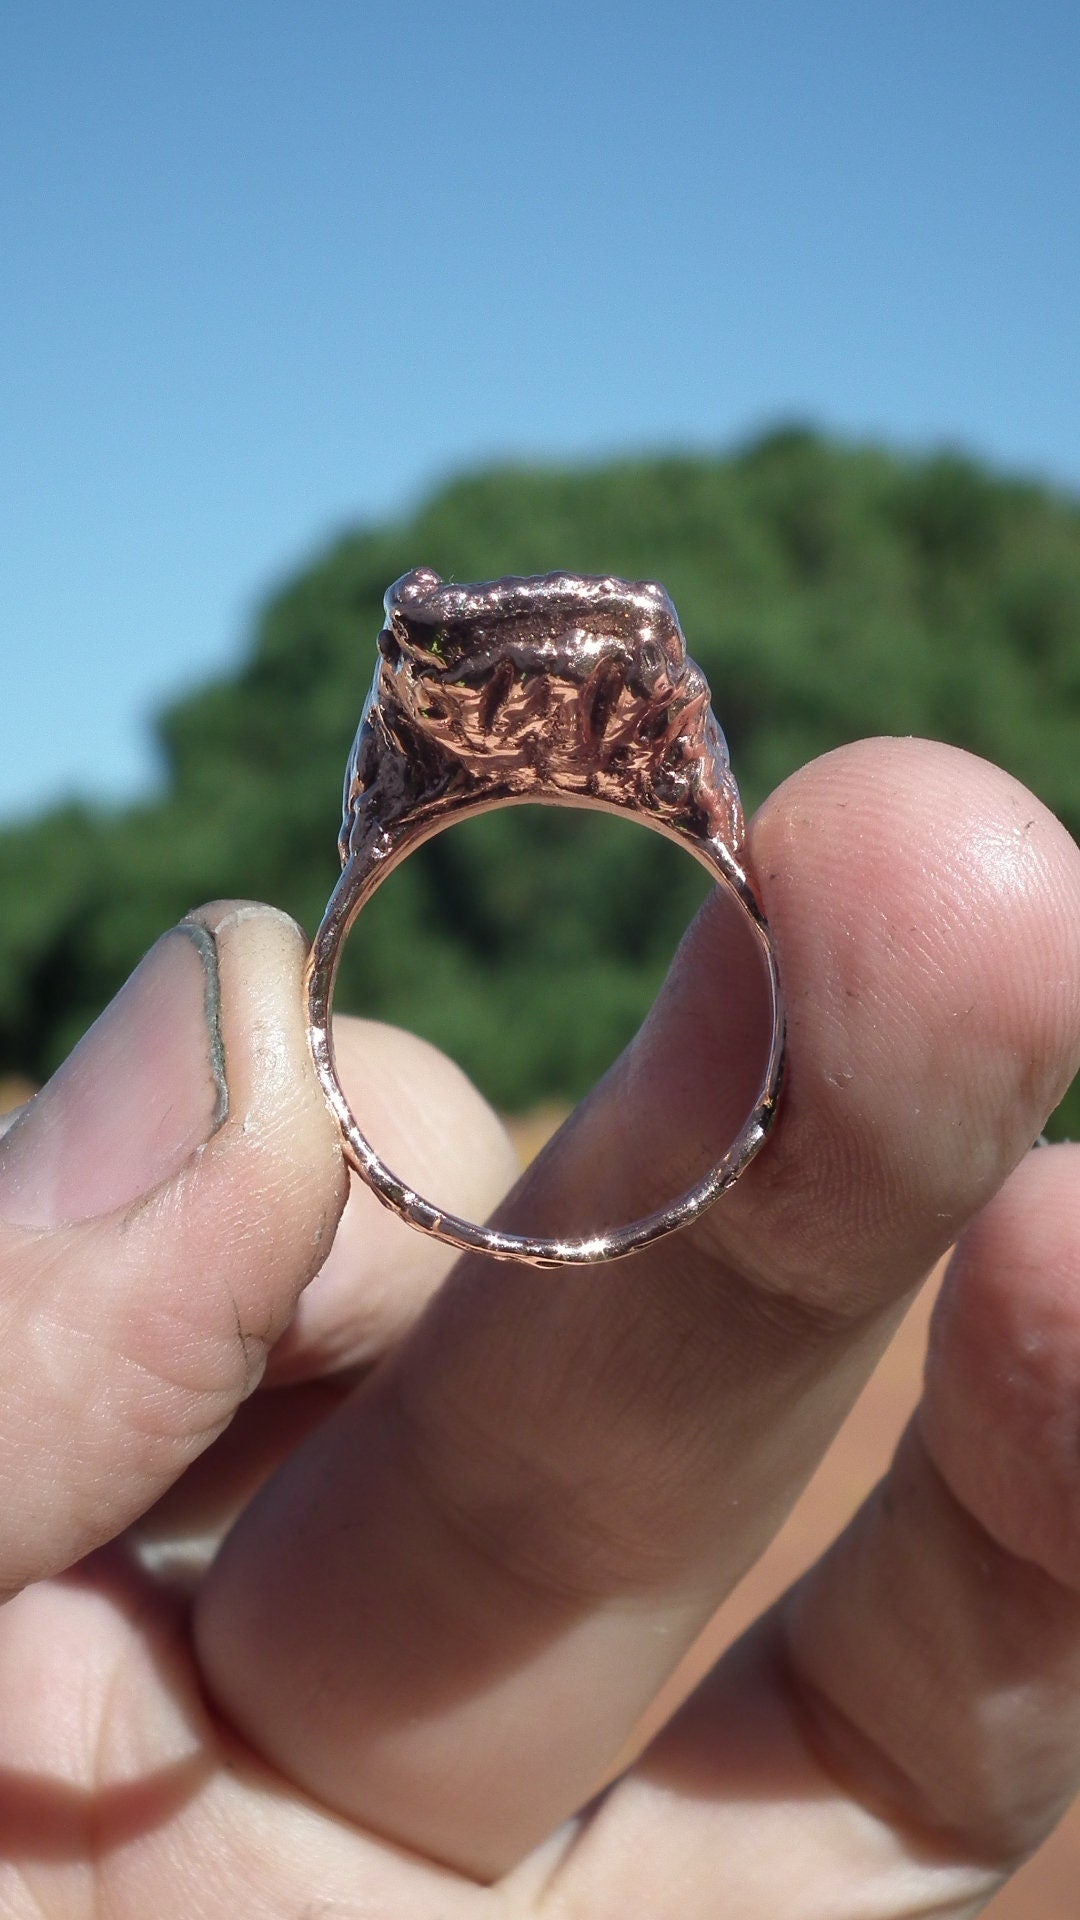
x,y
565,689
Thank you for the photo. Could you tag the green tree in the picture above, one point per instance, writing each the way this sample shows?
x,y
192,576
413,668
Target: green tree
x,y
829,592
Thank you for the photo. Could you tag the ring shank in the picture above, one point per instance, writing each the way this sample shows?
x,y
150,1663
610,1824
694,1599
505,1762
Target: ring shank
x,y
374,860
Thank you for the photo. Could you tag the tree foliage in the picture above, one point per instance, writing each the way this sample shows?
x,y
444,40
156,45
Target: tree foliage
x,y
828,592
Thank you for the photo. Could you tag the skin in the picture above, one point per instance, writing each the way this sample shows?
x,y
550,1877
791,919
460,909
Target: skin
x,y
344,1601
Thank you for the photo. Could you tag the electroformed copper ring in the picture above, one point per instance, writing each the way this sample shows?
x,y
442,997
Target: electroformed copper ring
x,y
565,689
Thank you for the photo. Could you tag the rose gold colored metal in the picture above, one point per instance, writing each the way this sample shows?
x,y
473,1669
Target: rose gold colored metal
x,y
565,689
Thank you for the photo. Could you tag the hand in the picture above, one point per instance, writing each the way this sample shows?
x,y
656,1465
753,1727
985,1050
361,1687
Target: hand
x,y
432,1631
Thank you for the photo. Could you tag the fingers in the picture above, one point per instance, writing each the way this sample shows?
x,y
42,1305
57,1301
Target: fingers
x,y
905,1727
981,1551
162,1202
447,1611
732,1807
122,1795
432,1126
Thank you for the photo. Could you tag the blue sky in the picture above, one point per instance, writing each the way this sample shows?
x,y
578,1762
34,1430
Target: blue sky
x,y
267,270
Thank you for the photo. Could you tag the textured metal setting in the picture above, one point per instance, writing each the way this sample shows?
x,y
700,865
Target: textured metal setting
x,y
566,689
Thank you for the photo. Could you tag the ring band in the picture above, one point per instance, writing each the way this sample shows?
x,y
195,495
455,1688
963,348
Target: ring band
x,y
568,690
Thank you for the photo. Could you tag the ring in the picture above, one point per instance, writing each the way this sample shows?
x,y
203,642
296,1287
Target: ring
x,y
569,690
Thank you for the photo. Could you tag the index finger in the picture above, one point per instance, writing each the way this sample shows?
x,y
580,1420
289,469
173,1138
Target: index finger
x,y
446,1613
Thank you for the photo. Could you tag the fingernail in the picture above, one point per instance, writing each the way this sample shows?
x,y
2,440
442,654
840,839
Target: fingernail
x,y
144,1088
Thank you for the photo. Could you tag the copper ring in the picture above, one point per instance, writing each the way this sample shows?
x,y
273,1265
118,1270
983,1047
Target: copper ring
x,y
565,689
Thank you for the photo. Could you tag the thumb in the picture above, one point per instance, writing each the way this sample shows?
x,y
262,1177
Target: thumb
x,y
163,1201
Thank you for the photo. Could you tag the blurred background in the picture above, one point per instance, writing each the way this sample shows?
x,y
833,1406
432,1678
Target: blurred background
x,y
777,305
